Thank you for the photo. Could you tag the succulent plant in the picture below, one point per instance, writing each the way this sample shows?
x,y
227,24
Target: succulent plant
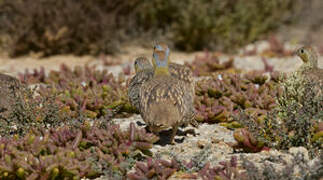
x,y
85,90
247,142
163,169
72,153
160,169
92,93
233,99
221,97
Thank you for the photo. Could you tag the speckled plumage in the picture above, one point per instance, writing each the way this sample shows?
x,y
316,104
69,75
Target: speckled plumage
x,y
177,71
184,74
166,99
309,68
163,104
144,72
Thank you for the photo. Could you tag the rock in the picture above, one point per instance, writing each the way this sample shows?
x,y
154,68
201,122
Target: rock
x,y
273,164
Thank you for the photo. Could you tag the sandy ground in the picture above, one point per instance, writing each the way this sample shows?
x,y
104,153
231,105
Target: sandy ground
x,y
14,66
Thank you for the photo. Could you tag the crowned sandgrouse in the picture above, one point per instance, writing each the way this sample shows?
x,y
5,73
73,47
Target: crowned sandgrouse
x,y
165,101
144,72
309,68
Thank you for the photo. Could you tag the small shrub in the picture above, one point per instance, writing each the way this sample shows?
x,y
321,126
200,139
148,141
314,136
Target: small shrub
x,y
296,120
31,111
93,27
195,25
59,27
299,115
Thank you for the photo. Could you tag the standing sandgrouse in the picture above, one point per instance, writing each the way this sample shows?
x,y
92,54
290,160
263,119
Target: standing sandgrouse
x,y
309,68
164,100
144,72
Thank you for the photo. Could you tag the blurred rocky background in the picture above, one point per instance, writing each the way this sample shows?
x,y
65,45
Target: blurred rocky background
x,y
52,27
